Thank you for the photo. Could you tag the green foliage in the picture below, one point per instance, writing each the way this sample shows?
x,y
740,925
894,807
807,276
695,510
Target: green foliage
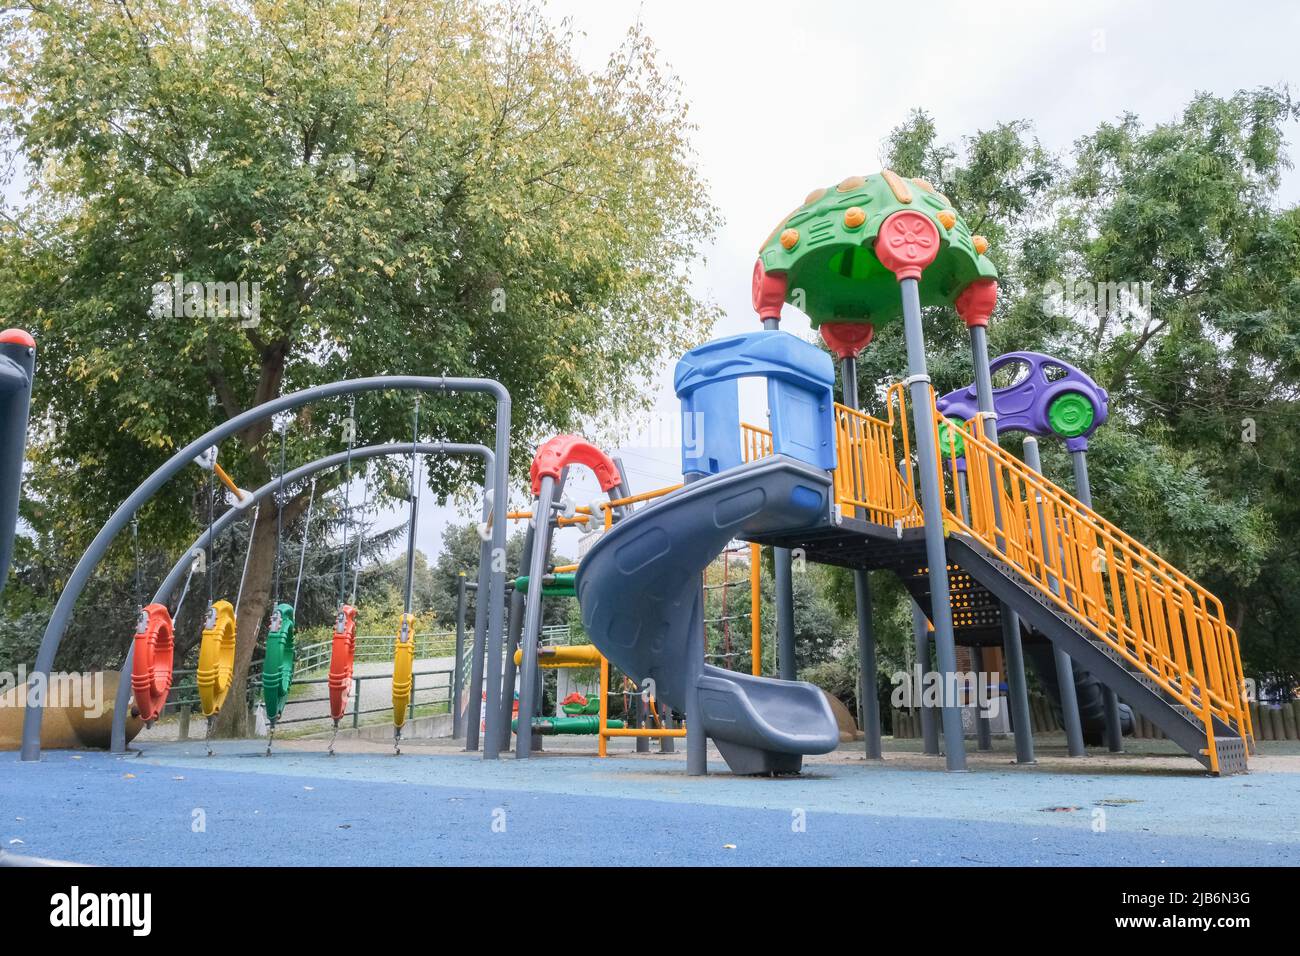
x,y
434,189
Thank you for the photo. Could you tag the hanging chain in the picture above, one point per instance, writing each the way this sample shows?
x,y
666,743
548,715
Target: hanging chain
x,y
139,581
302,557
361,537
209,552
279,516
347,499
248,553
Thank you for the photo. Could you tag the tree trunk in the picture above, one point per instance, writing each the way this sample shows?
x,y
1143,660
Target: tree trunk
x,y
254,608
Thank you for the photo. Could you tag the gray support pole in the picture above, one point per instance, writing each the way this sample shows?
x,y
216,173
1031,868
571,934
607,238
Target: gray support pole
x,y
867,667
1109,700
784,568
514,632
983,733
921,643
181,567
782,565
936,552
1064,668
1012,645
869,704
533,617
642,721
17,370
497,588
697,741
667,745
457,678
474,707
39,678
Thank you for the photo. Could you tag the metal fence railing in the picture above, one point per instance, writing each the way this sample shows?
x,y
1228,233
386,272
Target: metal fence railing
x,y
430,694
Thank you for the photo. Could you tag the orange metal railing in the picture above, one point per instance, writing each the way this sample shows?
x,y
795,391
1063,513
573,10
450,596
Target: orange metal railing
x,y
1161,622
868,454
755,442
1157,619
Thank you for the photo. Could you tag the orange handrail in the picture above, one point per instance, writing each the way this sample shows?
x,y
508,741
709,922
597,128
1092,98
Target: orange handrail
x,y
1161,622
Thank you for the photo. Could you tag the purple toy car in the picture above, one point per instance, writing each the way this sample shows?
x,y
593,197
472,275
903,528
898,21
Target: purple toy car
x,y
1046,397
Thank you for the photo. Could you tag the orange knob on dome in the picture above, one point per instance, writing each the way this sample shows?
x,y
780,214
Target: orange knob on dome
x,y
948,218
789,239
854,217
981,244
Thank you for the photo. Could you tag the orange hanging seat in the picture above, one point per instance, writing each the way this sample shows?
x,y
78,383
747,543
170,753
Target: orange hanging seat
x,y
342,655
151,663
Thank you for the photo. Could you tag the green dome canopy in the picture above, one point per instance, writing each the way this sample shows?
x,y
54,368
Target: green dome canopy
x,y
826,250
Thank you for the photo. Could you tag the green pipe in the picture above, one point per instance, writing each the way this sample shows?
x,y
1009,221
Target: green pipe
x,y
550,726
553,585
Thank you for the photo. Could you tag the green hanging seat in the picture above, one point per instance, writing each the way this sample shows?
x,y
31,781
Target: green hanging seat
x,y
277,668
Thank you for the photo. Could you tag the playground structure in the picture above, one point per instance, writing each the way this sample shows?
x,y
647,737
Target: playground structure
x,y
992,553
1024,555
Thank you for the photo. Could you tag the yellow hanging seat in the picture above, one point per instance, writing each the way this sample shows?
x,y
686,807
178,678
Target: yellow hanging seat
x,y
216,657
403,669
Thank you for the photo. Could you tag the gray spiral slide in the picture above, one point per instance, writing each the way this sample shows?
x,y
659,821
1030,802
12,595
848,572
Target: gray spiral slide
x,y
640,592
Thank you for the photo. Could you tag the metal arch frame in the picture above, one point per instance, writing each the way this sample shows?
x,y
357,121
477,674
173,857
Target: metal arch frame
x,y
169,584
54,631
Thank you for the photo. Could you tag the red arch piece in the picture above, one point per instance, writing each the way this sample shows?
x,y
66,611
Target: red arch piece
x,y
17,337
151,664
572,450
342,654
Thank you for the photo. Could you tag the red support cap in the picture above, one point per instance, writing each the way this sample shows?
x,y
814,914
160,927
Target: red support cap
x,y
847,339
907,242
572,450
768,292
17,337
976,301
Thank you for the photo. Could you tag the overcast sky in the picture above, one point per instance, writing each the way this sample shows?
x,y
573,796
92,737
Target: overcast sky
x,y
791,96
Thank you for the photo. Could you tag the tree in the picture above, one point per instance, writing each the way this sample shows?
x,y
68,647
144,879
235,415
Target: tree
x,y
433,188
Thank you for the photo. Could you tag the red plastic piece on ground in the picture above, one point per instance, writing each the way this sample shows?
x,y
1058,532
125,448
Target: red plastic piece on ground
x,y
17,337
976,301
342,654
151,664
907,242
768,292
847,339
572,450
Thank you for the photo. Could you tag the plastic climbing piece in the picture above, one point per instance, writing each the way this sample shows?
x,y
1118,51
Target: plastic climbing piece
x,y
342,654
572,450
277,668
825,256
1047,396
151,662
216,657
403,669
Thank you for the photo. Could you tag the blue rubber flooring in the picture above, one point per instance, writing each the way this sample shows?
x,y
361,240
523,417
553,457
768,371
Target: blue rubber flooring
x,y
176,806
